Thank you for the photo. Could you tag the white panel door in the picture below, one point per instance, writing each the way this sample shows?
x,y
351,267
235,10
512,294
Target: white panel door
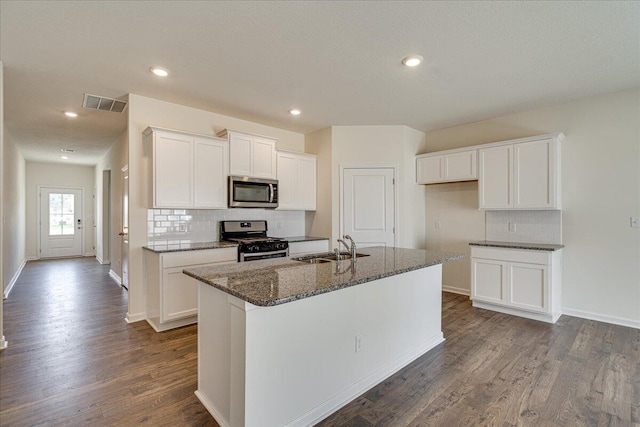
x,y
210,180
528,286
61,228
460,166
430,169
488,280
495,178
173,170
369,206
533,173
264,158
287,180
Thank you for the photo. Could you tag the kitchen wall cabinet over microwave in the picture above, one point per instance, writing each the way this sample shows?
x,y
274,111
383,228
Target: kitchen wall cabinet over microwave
x,y
250,155
187,170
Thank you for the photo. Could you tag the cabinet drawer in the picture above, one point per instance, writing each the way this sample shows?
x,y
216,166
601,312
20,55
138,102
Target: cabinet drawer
x,y
512,255
207,256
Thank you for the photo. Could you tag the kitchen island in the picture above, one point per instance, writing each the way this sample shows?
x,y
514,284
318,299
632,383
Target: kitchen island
x,y
285,342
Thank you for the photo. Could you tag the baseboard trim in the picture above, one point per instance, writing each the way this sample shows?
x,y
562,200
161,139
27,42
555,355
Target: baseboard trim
x,y
115,277
3,343
32,258
602,318
455,290
13,280
137,317
89,254
212,409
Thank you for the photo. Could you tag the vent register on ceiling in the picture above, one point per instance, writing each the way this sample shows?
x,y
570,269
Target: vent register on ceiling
x,y
103,103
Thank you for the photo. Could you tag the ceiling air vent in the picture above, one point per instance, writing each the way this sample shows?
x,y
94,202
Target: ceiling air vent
x,y
103,103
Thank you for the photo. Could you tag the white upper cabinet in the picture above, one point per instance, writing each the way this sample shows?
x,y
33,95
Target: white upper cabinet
x,y
187,170
524,175
448,166
250,155
296,181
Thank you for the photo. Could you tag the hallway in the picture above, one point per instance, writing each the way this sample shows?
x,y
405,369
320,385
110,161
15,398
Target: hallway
x,y
73,360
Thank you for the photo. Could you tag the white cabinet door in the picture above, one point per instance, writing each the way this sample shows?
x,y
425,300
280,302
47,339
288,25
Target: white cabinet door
x,y
308,247
287,180
534,174
210,180
179,295
529,286
430,169
488,280
264,158
306,180
495,178
173,166
460,166
241,152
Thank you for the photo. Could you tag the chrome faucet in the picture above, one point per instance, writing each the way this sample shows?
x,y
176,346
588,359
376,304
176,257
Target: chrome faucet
x,y
345,245
352,249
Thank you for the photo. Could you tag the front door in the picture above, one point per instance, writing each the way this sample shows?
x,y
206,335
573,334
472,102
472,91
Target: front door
x,y
368,196
61,228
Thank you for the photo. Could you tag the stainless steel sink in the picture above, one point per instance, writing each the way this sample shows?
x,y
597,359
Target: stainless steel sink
x,y
326,257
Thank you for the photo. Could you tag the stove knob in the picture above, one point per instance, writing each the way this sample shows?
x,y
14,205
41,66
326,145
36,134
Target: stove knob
x,y
254,248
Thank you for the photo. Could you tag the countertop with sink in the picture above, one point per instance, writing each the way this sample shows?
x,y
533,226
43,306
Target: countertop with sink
x,y
178,246
277,281
517,245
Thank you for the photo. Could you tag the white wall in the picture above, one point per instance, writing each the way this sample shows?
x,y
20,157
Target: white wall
x,y
13,200
144,112
600,191
382,145
58,175
114,160
318,223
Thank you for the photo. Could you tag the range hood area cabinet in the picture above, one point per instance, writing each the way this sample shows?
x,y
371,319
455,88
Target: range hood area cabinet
x,y
296,181
447,166
250,155
519,174
187,170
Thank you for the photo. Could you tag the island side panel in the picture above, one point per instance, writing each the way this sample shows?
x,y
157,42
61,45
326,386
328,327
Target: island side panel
x,y
301,358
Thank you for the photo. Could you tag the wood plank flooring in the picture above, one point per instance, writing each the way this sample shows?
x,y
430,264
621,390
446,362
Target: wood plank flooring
x,y
73,360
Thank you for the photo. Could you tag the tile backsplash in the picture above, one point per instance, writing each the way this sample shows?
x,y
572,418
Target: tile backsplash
x,y
202,225
530,226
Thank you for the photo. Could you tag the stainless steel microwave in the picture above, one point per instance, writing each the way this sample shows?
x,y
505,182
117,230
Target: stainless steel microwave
x,y
248,192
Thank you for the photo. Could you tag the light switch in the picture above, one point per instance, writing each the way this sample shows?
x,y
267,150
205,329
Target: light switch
x,y
635,221
512,226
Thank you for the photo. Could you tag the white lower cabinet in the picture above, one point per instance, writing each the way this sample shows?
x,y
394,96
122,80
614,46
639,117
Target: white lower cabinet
x,y
525,283
172,297
308,247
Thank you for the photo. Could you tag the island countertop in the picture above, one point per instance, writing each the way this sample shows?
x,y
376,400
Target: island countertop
x,y
280,280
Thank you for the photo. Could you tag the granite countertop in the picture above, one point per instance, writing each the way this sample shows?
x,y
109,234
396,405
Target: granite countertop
x,y
517,245
303,239
280,280
161,247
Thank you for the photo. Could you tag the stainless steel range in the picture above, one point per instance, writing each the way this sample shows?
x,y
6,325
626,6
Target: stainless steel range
x,y
252,239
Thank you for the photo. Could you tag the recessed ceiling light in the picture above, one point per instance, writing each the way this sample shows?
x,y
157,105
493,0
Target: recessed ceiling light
x,y
70,114
295,112
67,150
413,60
64,157
159,71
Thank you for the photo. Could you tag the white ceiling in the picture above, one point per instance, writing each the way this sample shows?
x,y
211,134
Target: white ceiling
x,y
339,62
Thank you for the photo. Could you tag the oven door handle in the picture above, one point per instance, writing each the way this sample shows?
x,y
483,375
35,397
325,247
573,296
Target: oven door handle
x,y
248,256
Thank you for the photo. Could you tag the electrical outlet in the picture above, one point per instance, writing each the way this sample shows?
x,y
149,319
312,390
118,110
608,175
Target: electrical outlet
x,y
512,226
438,225
635,221
358,343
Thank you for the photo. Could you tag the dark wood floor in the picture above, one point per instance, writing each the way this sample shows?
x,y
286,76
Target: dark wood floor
x,y
72,360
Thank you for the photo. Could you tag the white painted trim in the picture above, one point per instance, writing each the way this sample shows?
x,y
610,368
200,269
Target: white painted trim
x,y
3,343
102,261
211,408
137,317
456,290
543,317
602,318
13,280
341,399
115,277
396,196
89,254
